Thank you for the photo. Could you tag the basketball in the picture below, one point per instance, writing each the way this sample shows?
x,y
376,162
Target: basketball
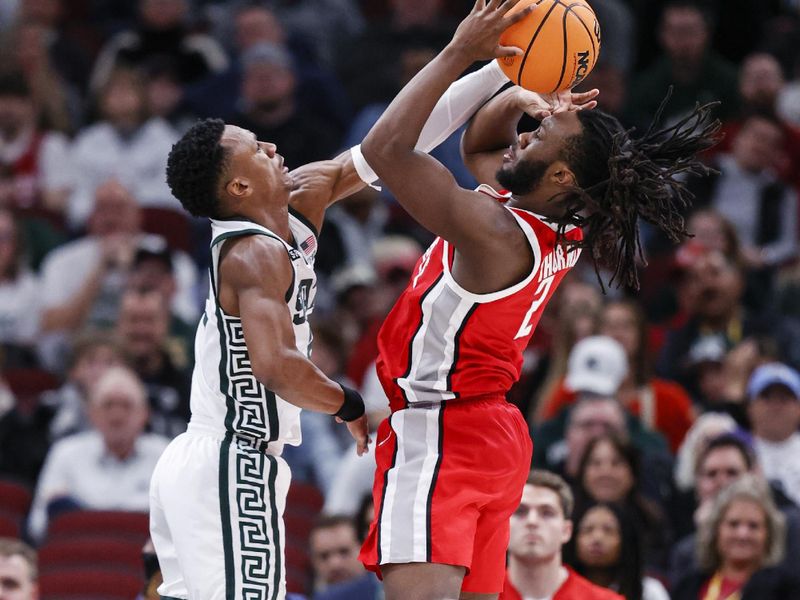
x,y
561,43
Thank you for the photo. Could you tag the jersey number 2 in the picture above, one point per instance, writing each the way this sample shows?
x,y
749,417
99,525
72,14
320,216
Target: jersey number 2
x,y
539,296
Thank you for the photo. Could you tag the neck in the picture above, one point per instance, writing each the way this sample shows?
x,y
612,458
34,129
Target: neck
x,y
539,579
121,450
773,437
275,218
150,364
600,576
541,201
738,571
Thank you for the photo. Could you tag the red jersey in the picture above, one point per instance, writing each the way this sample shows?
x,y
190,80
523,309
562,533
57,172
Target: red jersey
x,y
441,342
574,587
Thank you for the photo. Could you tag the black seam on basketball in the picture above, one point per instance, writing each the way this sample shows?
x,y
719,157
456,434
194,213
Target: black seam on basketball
x,y
533,39
591,35
564,57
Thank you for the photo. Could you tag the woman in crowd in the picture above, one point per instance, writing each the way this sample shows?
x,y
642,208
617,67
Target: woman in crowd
x,y
606,548
740,541
609,472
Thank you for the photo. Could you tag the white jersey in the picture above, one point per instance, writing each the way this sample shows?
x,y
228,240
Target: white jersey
x,y
225,393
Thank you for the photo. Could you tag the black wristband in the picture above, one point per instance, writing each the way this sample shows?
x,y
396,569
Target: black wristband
x,y
352,407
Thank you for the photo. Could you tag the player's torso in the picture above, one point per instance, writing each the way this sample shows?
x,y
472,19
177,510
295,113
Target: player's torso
x,y
441,342
225,393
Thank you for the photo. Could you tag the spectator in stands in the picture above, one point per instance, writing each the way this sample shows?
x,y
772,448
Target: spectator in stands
x,y
143,331
539,528
688,64
82,282
25,49
738,546
91,355
19,571
715,307
707,427
19,296
125,143
661,405
607,549
610,472
34,172
162,32
108,468
24,438
269,108
338,574
774,410
761,206
154,270
723,461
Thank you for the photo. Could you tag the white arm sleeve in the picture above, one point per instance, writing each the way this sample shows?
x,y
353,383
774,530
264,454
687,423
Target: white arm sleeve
x,y
456,106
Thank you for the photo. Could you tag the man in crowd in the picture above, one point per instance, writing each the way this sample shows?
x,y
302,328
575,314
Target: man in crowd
x,y
539,528
774,411
108,468
334,546
18,571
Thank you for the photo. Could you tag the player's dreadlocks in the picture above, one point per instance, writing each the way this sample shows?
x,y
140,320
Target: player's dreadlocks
x,y
623,179
195,165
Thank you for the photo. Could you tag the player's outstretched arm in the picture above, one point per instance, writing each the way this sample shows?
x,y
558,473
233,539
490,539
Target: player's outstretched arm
x,y
255,275
422,185
318,185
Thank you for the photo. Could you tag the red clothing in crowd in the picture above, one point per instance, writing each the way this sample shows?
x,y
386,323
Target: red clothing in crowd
x,y
574,588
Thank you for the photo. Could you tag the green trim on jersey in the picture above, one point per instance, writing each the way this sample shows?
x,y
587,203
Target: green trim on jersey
x,y
225,516
276,532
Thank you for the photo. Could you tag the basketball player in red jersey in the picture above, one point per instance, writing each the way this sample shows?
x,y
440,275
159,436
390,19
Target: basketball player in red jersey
x,y
453,457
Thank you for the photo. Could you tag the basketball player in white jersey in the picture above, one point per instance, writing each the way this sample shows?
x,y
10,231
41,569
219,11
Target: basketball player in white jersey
x,y
219,491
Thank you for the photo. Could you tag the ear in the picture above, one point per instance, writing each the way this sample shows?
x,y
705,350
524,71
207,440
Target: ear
x,y
566,533
239,187
560,174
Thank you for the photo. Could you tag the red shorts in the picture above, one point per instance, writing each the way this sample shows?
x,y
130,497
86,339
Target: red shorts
x,y
447,480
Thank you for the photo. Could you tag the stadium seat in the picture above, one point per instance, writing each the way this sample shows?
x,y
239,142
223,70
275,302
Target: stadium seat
x,y
15,499
91,553
298,528
89,584
304,498
9,527
172,225
131,526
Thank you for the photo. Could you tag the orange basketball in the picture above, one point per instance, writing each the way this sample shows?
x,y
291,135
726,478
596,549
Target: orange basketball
x,y
561,40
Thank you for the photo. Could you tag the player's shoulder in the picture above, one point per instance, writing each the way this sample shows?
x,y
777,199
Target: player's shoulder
x,y
249,259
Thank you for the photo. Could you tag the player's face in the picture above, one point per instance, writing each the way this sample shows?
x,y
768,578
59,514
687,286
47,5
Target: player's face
x,y
525,164
538,526
599,541
257,163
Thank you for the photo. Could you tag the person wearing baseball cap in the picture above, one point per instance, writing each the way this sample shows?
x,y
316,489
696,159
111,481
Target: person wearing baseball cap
x,y
774,411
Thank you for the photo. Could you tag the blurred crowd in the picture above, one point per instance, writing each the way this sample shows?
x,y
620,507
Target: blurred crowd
x,y
665,409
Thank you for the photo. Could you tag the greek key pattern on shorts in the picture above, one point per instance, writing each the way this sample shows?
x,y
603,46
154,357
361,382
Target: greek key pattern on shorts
x,y
251,397
252,511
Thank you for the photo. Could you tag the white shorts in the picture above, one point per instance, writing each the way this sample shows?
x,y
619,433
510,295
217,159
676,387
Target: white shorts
x,y
216,518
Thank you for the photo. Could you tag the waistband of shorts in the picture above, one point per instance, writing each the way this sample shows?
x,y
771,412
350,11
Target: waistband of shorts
x,y
464,401
200,427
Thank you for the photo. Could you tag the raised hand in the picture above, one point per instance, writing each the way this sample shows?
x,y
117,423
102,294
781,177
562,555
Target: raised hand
x,y
478,35
541,106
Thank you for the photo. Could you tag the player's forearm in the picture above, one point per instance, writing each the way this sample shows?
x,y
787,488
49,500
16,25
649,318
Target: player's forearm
x,y
494,126
297,380
398,130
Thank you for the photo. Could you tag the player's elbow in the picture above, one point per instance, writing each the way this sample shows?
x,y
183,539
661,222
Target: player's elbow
x,y
274,372
381,151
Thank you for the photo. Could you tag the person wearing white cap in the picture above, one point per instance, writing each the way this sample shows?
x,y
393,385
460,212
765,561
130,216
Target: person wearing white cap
x,y
596,365
774,411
